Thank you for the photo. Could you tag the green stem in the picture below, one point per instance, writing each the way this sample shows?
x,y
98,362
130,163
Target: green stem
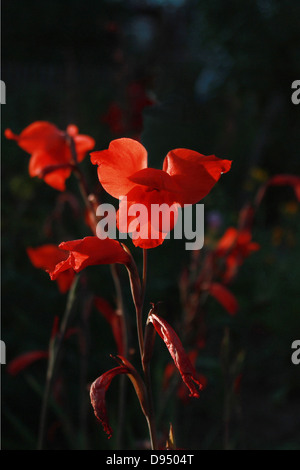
x,y
146,367
54,352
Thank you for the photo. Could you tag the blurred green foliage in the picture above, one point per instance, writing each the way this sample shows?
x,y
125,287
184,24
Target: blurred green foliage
x,y
221,75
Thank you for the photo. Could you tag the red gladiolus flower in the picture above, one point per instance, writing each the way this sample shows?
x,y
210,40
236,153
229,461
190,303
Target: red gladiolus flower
x,y
89,251
181,360
51,158
47,257
186,177
235,246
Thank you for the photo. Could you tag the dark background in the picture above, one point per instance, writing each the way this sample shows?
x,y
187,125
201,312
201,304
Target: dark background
x,y
218,75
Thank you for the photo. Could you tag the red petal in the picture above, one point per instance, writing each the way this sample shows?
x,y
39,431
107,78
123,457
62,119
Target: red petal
x,y
40,135
147,231
155,179
182,390
72,130
122,159
47,257
178,354
83,144
227,241
224,297
196,174
25,360
65,280
90,251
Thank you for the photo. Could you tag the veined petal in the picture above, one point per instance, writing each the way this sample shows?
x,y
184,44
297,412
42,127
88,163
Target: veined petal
x,y
178,354
123,158
194,173
90,251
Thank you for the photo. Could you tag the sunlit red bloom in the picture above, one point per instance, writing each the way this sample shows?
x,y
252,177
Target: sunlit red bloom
x,y
224,297
235,246
100,386
114,318
46,257
181,360
186,178
51,157
89,251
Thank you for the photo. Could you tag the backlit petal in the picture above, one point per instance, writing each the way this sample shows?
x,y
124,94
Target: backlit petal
x,y
47,257
123,158
194,173
90,251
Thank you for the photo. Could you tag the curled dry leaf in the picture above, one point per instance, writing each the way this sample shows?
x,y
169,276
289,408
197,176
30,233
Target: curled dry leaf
x,y
100,386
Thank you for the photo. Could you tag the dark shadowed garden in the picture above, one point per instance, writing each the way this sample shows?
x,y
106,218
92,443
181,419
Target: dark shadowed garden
x,y
186,349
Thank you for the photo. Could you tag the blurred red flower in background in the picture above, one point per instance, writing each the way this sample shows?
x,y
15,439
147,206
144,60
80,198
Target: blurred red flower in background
x,y
46,257
235,246
51,157
114,318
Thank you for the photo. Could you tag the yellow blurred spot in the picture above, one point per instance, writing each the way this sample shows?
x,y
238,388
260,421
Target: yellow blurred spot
x,y
277,236
291,207
258,174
